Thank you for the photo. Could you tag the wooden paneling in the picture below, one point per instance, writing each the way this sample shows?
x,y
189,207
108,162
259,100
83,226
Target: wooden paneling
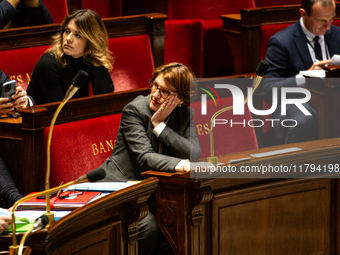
x,y
105,226
273,219
255,214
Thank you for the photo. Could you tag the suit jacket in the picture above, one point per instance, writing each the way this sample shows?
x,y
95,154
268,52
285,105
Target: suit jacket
x,y
24,16
136,147
288,54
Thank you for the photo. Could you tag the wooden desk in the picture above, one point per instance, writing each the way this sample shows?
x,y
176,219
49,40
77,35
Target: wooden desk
x,y
257,215
105,226
325,100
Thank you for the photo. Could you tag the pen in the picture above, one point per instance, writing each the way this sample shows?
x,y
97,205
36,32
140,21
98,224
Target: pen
x,y
72,195
59,191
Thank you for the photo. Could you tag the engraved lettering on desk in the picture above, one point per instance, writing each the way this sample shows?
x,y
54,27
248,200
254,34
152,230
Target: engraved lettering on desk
x,y
102,147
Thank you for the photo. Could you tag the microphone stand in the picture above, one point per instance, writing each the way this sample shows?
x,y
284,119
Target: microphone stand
x,y
79,79
213,159
48,162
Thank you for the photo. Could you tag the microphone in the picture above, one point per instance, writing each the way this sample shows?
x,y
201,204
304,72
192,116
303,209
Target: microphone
x,y
77,82
261,71
92,176
40,222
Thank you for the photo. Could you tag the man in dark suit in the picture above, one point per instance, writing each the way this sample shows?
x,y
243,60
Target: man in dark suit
x,y
156,132
308,44
16,13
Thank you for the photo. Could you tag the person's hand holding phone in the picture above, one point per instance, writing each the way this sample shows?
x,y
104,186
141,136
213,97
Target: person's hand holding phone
x,y
12,97
20,99
5,106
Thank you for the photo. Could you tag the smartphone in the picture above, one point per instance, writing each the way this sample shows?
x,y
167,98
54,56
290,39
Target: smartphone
x,y
8,89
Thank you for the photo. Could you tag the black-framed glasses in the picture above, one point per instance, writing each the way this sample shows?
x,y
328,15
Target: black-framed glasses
x,y
163,92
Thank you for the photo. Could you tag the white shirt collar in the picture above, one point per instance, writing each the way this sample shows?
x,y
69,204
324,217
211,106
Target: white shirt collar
x,y
310,36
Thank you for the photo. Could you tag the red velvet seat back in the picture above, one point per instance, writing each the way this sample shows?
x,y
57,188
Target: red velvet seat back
x,y
105,8
57,8
18,64
205,9
264,3
217,59
133,64
336,22
81,146
268,31
227,138
183,43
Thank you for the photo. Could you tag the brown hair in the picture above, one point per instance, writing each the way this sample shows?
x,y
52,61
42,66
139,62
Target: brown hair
x,y
91,26
180,77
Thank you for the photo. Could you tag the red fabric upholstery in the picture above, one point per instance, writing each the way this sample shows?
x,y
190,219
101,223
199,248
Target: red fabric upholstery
x,y
336,22
217,59
227,139
133,64
268,31
81,146
205,9
183,43
57,8
264,3
18,64
105,8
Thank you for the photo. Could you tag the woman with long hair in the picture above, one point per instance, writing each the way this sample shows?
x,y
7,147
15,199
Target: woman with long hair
x,y
82,44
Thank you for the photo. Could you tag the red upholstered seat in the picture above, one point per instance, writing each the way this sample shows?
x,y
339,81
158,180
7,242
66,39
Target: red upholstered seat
x,y
58,9
217,59
227,138
133,64
268,31
264,3
105,8
183,43
336,22
81,146
18,64
205,9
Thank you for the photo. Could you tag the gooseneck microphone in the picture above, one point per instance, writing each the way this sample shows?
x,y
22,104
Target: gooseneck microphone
x,y
261,71
39,223
77,82
92,176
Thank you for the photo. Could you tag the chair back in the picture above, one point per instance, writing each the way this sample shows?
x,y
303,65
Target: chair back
x,y
80,146
234,135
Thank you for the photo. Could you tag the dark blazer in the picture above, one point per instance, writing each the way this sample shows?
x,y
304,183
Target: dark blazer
x,y
136,147
288,54
24,16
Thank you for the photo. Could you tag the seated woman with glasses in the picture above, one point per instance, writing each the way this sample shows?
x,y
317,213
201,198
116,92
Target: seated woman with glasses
x,y
156,132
